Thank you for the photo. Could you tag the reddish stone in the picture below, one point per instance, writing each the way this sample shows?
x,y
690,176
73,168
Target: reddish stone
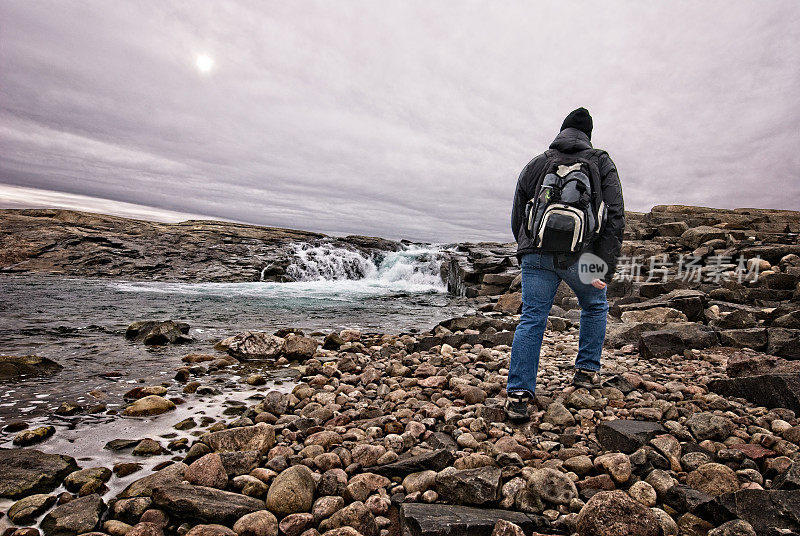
x,y
754,452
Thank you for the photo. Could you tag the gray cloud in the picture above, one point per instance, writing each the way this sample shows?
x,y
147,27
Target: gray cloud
x,y
399,119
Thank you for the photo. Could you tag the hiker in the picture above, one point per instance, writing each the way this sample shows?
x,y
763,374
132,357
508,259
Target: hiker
x,y
567,208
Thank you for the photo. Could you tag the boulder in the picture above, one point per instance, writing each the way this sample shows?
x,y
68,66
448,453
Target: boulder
x,y
260,437
469,486
74,517
261,523
208,471
26,510
13,366
552,485
695,236
255,345
625,435
355,515
419,519
292,491
784,342
171,474
299,347
612,513
713,479
768,390
510,303
158,333
655,315
765,510
28,471
203,504
710,426
149,406
753,338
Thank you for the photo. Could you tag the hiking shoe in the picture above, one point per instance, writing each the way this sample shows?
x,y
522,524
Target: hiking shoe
x,y
517,406
586,378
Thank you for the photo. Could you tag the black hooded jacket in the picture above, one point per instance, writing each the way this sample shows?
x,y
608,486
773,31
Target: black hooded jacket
x,y
609,243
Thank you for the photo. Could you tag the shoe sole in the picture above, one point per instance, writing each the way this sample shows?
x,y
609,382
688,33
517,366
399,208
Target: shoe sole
x,y
517,417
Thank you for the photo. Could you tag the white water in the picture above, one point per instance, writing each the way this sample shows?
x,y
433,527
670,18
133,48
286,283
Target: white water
x,y
327,273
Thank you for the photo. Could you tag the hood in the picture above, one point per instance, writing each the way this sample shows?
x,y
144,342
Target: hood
x,y
571,140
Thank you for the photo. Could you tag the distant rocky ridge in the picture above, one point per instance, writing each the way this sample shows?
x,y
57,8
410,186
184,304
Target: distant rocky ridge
x,y
82,244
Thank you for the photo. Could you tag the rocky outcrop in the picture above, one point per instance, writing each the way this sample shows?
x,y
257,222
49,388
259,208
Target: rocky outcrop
x,y
28,471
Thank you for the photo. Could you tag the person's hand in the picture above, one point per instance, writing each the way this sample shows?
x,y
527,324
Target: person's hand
x,y
596,283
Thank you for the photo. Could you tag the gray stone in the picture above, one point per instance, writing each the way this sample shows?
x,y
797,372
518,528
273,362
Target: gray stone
x,y
74,517
769,390
28,471
260,437
14,366
172,474
469,486
203,504
625,435
435,461
291,492
418,519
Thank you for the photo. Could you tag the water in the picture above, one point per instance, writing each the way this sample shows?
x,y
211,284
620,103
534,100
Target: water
x,y
80,323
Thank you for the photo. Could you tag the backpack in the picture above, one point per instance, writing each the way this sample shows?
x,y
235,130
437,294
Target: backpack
x,y
567,211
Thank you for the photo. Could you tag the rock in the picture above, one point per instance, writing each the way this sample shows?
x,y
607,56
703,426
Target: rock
x,y
510,303
558,415
754,338
208,471
612,513
507,528
789,479
37,435
643,493
326,506
158,333
469,486
733,528
695,236
295,524
13,366
210,530
417,519
74,517
435,461
753,364
784,342
29,471
355,515
298,347
26,510
660,344
765,510
75,481
260,437
713,479
656,315
172,474
291,492
625,435
145,529
255,345
147,447
148,406
207,505
239,462
709,426
615,464
420,482
552,485
261,523
363,485
769,390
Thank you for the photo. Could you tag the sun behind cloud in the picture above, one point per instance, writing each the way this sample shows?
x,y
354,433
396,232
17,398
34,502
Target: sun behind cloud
x,y
204,63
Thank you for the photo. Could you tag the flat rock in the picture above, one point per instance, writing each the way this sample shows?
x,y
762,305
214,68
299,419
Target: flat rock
x,y
769,390
206,505
763,509
172,474
74,517
419,519
435,461
626,435
28,471
469,486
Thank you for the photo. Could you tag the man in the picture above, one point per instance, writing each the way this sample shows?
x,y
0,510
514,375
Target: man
x,y
543,270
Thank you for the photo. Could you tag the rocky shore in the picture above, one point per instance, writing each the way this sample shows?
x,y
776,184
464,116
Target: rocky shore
x,y
694,430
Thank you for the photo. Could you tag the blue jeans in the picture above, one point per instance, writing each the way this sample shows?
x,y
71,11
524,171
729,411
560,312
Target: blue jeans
x,y
540,279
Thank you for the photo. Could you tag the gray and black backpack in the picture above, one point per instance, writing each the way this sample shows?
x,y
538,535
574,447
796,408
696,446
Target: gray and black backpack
x,y
567,211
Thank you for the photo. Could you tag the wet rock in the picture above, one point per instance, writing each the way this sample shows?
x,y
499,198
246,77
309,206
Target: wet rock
x,y
26,510
130,510
261,523
713,479
158,333
28,471
238,463
552,485
626,436
172,474
255,345
299,347
612,513
37,435
469,486
291,492
207,505
208,471
73,518
148,406
75,481
147,447
355,515
260,437
12,366
418,519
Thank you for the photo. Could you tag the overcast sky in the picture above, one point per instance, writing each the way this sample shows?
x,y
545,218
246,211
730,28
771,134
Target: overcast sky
x,y
403,119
